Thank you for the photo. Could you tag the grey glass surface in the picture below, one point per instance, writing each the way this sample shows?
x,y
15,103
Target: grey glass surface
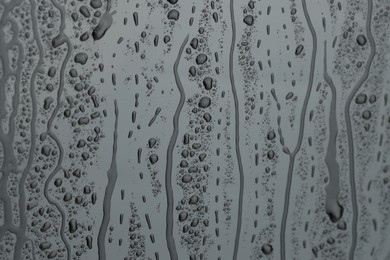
x,y
176,129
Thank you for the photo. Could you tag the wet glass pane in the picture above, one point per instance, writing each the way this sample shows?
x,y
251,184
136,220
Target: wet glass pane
x,y
210,129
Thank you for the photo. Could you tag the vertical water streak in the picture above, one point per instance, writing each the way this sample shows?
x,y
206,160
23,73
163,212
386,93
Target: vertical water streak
x,y
355,211
237,132
332,205
300,135
112,175
53,201
20,235
9,163
22,199
171,146
7,140
52,135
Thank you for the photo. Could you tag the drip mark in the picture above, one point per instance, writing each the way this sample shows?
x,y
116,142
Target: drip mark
x,y
349,132
237,132
332,205
168,173
112,175
300,136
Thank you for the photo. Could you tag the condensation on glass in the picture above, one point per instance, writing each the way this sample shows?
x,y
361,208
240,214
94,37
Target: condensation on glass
x,y
175,129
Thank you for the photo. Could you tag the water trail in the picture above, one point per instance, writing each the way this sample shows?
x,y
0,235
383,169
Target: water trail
x,y
158,110
15,99
171,146
52,135
33,250
349,131
112,175
21,234
300,135
69,51
50,199
332,205
237,132
9,164
108,7
33,112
